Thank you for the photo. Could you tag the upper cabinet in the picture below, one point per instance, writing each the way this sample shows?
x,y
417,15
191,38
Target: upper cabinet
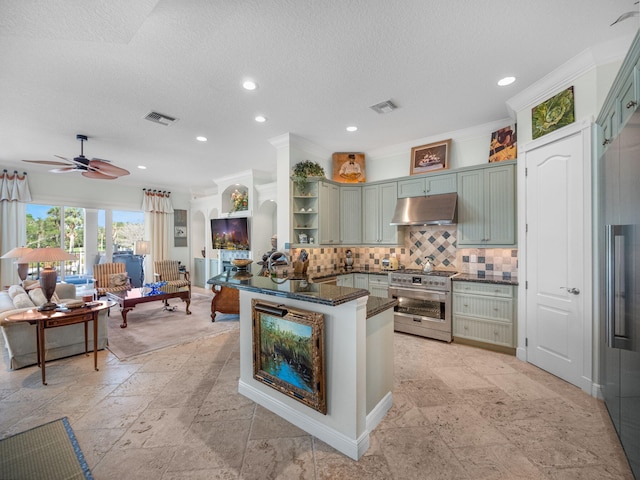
x,y
379,202
622,100
427,185
487,206
329,197
351,215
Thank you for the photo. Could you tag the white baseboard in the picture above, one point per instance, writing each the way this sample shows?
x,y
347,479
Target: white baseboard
x,y
353,448
379,411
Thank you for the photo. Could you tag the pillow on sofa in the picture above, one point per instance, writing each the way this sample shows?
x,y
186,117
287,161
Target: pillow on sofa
x,y
30,284
15,290
22,300
38,298
118,279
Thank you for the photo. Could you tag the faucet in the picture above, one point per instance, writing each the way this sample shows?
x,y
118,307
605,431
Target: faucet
x,y
275,259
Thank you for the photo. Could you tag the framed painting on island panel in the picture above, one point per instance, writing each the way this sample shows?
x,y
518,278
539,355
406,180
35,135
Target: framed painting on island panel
x,y
430,158
552,114
288,352
349,167
503,145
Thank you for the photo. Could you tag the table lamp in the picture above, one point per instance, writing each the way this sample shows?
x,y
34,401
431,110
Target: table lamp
x,y
23,268
142,248
48,276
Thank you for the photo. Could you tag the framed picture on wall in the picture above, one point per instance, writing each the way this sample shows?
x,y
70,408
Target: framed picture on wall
x,y
348,167
503,145
430,158
552,114
180,228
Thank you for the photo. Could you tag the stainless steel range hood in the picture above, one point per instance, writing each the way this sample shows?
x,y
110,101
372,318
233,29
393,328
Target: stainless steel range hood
x,y
431,210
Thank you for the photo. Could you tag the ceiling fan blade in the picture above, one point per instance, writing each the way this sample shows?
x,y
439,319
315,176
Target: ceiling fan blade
x,y
97,175
63,158
107,168
46,162
64,170
101,160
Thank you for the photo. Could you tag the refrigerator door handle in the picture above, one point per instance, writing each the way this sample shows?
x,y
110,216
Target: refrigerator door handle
x,y
615,329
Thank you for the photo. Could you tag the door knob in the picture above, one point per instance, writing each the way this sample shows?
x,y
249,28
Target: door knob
x,y
573,291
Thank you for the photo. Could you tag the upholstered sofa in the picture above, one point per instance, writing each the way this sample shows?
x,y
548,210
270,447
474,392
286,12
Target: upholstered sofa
x,y
20,337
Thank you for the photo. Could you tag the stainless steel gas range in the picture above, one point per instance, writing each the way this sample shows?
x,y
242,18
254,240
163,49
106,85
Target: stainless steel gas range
x,y
424,302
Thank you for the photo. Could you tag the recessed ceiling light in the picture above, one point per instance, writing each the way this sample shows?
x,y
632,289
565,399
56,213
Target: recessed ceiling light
x,y
142,167
249,85
352,128
503,82
201,139
261,119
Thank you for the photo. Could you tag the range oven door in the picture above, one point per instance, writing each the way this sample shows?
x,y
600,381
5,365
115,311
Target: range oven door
x,y
422,312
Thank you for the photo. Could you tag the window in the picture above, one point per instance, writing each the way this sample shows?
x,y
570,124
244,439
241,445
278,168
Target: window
x,y
70,227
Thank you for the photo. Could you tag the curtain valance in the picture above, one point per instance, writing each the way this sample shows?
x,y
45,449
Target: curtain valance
x,y
156,201
14,188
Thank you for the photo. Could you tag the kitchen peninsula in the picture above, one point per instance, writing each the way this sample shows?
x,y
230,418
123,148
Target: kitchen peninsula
x,y
358,356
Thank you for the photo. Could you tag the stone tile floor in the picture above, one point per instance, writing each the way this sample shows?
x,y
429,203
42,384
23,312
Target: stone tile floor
x,y
459,412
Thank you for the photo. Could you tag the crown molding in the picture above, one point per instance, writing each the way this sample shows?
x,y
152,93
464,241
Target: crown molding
x,y
568,72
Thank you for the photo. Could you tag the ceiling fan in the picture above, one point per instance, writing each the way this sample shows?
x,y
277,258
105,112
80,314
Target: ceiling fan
x,y
94,168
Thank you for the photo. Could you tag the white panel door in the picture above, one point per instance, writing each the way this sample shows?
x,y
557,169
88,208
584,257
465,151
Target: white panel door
x,y
555,216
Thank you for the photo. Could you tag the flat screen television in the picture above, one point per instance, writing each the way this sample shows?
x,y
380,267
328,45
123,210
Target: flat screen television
x,y
230,233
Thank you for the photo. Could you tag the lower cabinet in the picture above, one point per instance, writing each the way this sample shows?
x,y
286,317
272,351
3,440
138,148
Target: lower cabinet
x,y
345,280
379,286
484,312
361,280
198,275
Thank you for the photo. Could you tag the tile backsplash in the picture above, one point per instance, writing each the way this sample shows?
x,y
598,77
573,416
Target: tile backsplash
x,y
437,240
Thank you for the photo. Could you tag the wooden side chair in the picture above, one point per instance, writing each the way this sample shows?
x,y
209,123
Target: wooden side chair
x,y
110,277
169,271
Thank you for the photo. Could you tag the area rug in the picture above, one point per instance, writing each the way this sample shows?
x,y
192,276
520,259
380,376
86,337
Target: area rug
x,y
49,451
151,328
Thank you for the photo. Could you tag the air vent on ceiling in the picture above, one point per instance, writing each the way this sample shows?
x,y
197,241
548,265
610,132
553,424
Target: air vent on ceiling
x,y
156,117
384,107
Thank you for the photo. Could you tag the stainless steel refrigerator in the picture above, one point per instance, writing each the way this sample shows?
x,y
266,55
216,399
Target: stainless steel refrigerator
x,y
619,209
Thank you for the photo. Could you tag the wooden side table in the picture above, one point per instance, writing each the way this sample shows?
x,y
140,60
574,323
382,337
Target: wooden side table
x,y
54,318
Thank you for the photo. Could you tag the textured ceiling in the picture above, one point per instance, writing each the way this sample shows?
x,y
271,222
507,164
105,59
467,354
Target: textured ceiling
x,y
98,67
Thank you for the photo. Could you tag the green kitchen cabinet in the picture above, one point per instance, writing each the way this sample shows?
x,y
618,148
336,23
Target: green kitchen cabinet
x,y
379,285
427,185
329,213
487,206
485,313
378,204
345,280
351,215
361,280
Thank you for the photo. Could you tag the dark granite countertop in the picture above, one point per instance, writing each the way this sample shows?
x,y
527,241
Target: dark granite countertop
x,y
496,279
344,271
301,289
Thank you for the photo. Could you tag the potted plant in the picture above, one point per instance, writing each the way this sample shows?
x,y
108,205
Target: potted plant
x,y
303,170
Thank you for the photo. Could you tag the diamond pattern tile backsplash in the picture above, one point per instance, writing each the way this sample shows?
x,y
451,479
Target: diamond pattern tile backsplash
x,y
438,241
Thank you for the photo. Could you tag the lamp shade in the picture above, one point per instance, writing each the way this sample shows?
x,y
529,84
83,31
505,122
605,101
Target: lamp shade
x,y
46,255
16,252
48,276
142,247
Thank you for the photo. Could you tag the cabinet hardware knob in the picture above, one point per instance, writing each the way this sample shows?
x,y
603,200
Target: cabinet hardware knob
x,y
632,104
606,141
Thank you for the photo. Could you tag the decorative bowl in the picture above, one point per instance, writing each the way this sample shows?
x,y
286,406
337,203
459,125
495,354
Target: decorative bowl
x,y
241,262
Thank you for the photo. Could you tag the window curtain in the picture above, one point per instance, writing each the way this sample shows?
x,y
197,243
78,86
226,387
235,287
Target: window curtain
x,y
158,218
14,192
